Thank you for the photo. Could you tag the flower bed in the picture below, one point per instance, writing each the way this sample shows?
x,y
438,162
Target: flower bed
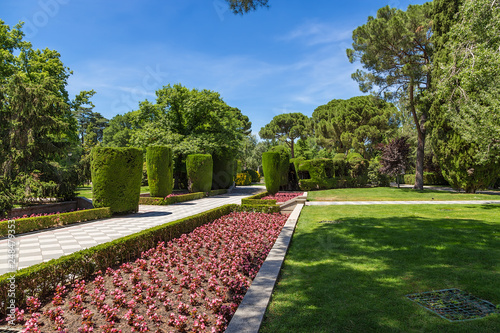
x,y
25,216
193,283
283,196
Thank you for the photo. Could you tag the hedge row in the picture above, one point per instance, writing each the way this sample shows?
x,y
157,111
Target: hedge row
x,y
159,201
430,178
28,224
41,280
199,169
269,209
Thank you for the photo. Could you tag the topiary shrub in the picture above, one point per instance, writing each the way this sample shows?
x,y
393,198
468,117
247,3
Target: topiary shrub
x,y
271,166
199,172
116,178
358,168
243,179
284,165
223,172
160,170
317,174
340,165
254,175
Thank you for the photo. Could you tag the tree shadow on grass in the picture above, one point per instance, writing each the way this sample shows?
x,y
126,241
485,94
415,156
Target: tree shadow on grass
x,y
353,275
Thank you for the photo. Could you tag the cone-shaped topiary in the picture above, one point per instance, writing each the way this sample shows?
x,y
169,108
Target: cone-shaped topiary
x,y
271,166
116,178
223,172
160,170
199,171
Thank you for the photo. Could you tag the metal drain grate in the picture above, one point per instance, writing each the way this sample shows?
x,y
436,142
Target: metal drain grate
x,y
454,304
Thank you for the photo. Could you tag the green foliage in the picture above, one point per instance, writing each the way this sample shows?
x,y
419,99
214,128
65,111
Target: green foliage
x,y
284,164
359,123
358,167
24,225
160,170
272,176
223,172
254,175
116,178
199,171
159,201
287,128
430,178
41,280
375,177
245,6
37,130
243,179
465,117
316,174
256,208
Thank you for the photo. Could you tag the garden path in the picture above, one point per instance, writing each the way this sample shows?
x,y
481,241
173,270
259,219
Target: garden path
x,y
36,247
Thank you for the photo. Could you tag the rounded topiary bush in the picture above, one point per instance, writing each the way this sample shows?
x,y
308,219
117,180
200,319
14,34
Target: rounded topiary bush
x,y
271,165
160,170
223,172
243,179
116,178
253,174
199,172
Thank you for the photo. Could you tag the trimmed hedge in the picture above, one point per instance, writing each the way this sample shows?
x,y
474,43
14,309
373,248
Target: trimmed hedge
x,y
255,177
430,178
24,225
269,209
159,201
116,178
199,171
271,165
223,172
256,200
41,280
160,170
243,179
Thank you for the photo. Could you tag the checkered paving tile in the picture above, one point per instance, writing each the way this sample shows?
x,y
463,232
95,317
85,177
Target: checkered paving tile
x,y
43,246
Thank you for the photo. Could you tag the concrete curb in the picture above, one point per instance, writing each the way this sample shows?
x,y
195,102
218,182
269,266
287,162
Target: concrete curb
x,y
250,313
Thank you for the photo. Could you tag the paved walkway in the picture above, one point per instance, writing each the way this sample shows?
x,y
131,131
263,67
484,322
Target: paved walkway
x,y
434,202
33,248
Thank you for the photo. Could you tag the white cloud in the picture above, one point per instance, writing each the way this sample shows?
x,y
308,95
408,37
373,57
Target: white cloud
x,y
314,33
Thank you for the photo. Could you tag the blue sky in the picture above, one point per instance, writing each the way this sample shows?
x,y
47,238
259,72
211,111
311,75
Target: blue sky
x,y
288,58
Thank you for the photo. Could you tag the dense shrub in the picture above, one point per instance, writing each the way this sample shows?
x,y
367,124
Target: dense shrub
x,y
199,171
255,177
116,178
28,224
243,179
271,165
160,201
340,165
284,164
375,177
430,178
358,167
317,174
144,180
160,170
223,172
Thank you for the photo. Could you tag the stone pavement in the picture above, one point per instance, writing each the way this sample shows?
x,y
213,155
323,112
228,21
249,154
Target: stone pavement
x,y
33,248
434,202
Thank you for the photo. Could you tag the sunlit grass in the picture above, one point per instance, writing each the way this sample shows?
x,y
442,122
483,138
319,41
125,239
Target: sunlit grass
x,y
353,275
393,194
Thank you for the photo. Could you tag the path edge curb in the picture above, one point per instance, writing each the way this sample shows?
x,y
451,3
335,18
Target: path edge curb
x,y
250,313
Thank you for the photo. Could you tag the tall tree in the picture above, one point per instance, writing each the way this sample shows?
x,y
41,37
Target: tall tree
x,y
358,123
287,128
37,128
466,111
396,50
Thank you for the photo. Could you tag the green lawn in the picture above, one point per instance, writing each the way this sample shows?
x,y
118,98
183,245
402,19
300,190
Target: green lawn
x,y
86,191
392,193
352,273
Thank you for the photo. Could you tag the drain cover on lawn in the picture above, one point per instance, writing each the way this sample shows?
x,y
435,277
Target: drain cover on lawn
x,y
454,304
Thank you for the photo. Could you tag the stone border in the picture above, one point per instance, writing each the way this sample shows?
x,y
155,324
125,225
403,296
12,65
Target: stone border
x,y
250,312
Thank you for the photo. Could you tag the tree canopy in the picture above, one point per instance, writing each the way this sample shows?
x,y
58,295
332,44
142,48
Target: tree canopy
x,y
287,128
396,51
245,6
359,123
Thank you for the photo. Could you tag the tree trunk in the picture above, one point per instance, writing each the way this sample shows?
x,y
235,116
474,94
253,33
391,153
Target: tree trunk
x,y
419,167
291,148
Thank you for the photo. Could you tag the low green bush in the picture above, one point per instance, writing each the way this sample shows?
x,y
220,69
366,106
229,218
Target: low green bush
x,y
41,280
430,178
243,179
269,209
159,201
218,192
28,224
255,177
